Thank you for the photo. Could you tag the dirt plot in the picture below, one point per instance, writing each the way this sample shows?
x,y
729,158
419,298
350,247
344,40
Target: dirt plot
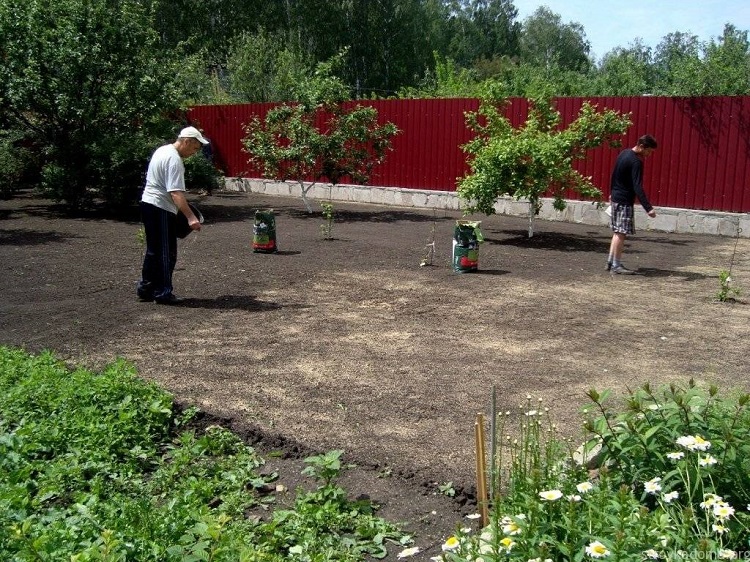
x,y
349,343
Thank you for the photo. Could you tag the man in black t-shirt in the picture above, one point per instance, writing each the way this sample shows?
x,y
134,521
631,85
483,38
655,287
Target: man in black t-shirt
x,y
627,184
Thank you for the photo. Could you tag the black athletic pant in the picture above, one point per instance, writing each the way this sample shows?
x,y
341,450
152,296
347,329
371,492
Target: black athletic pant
x,y
161,252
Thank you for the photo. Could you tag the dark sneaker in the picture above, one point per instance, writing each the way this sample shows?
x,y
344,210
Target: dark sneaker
x,y
170,300
145,291
622,270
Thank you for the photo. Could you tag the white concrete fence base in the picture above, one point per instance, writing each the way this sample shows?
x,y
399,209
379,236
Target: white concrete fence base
x,y
668,219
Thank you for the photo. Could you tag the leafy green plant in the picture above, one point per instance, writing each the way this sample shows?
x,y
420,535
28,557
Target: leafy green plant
x,y
726,291
92,468
670,483
18,164
319,137
327,227
201,174
537,158
447,489
94,136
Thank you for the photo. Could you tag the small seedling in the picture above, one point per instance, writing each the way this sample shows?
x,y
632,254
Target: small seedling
x,y
141,236
429,249
387,472
447,489
327,227
726,291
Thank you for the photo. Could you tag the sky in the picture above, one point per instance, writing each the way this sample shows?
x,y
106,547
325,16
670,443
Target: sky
x,y
616,23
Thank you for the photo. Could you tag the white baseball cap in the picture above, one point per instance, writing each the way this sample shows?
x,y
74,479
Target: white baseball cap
x,y
193,133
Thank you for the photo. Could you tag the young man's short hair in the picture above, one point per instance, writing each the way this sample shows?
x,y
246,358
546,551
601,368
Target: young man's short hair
x,y
647,141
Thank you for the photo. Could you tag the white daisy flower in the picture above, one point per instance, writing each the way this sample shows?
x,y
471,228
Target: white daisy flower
x,y
451,544
511,528
584,487
675,456
550,495
709,500
653,486
707,460
694,443
596,549
669,496
723,510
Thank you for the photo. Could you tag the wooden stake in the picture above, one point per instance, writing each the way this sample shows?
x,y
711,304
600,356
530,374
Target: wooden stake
x,y
481,471
493,445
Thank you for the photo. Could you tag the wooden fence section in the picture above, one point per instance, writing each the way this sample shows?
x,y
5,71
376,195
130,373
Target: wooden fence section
x,y
703,160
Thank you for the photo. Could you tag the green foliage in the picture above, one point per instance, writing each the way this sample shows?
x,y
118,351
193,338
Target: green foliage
x,y
86,85
324,524
262,68
92,469
535,159
201,174
447,489
626,72
327,227
546,42
671,482
319,137
636,441
17,163
726,291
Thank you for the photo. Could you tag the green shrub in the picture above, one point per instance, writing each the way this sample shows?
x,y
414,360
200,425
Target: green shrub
x,y
17,163
201,174
671,483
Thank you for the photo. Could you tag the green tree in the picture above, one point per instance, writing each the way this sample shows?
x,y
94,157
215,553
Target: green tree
x,y
211,25
481,29
677,64
263,68
534,159
547,42
83,81
319,137
726,65
388,52
626,72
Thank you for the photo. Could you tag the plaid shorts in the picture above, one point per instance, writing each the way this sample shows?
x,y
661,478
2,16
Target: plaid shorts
x,y
622,219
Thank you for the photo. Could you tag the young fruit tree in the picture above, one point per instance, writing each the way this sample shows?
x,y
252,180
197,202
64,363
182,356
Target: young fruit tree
x,y
319,137
534,159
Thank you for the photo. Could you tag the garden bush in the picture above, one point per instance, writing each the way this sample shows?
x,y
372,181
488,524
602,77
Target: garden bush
x,y
670,482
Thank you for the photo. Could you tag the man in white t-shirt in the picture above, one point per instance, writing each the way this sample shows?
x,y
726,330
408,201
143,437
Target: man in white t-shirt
x,y
163,197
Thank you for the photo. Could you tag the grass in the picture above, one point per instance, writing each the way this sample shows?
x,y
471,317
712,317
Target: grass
x,y
99,467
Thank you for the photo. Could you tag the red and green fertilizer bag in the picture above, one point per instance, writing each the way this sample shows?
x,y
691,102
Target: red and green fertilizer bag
x,y
466,239
264,232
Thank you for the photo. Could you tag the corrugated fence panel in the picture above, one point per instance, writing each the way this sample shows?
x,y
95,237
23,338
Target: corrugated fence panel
x,y
703,159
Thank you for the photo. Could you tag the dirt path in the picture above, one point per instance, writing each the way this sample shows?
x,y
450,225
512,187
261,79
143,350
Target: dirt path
x,y
348,343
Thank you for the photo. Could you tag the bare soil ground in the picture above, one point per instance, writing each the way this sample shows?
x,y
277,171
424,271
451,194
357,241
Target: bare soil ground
x,y
349,343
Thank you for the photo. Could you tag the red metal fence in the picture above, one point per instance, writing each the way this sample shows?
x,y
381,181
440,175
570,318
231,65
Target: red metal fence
x,y
703,160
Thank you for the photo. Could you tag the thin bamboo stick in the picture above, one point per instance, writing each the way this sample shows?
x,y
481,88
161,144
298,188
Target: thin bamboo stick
x,y
481,470
493,444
